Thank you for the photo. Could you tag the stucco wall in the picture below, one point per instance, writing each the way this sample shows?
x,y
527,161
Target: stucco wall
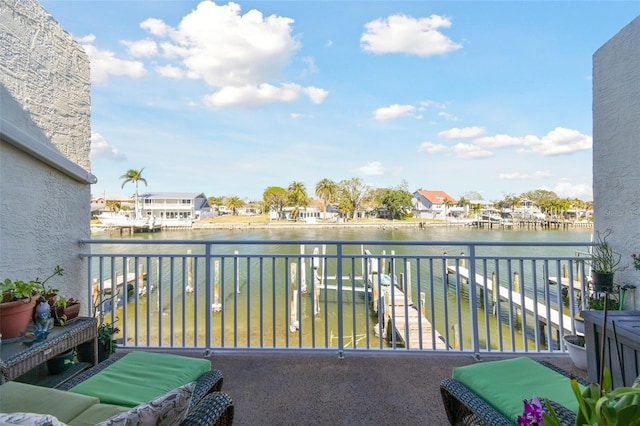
x,y
616,146
44,93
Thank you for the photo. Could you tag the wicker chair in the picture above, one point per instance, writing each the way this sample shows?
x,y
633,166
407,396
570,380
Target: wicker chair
x,y
464,407
208,405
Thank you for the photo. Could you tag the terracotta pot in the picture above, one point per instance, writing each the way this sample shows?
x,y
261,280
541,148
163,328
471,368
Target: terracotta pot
x,y
15,317
71,311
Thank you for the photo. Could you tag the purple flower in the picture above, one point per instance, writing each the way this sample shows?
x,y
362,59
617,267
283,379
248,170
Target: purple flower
x,y
532,414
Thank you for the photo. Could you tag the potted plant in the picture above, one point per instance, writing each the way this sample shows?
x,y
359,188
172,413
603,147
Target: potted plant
x,y
575,345
65,309
605,262
106,330
16,309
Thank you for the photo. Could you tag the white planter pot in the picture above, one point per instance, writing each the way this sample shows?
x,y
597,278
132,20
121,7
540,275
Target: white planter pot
x,y
577,353
579,325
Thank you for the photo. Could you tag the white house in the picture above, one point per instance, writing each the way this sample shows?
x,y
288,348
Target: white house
x,y
174,205
435,205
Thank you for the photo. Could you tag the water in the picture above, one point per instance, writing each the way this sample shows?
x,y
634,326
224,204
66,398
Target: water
x,y
258,305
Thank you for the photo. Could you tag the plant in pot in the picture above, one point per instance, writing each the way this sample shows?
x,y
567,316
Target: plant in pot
x,y
65,310
605,262
18,303
106,330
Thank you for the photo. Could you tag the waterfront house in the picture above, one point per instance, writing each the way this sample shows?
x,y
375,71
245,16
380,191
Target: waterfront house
x,y
435,205
175,205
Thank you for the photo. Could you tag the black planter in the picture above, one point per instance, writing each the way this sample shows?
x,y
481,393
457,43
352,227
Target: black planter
x,y
60,363
602,282
85,352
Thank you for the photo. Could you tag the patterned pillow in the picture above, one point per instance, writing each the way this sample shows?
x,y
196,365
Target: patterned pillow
x,y
30,419
166,410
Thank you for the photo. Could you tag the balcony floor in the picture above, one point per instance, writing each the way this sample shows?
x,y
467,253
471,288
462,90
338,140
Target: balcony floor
x,y
363,388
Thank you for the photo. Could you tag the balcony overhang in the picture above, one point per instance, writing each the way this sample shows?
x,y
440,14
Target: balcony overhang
x,y
47,154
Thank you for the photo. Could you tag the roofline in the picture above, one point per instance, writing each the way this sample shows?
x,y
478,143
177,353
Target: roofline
x,y
43,152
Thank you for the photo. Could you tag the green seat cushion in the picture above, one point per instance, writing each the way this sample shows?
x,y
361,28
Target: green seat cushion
x,y
505,384
139,377
97,413
16,397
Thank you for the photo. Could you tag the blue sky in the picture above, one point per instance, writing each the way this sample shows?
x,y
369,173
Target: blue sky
x,y
230,98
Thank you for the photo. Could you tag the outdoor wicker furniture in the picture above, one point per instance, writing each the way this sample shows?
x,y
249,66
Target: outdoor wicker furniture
x,y
206,406
465,407
18,358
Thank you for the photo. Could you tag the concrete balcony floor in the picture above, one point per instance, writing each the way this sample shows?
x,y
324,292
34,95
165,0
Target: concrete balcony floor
x,y
363,388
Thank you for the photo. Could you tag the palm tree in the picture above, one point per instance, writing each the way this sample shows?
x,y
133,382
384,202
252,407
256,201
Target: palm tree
x,y
134,176
298,196
326,190
234,203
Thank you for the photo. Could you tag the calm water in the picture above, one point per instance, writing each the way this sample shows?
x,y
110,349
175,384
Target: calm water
x,y
244,312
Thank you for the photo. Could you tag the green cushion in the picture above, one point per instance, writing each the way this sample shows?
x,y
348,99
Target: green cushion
x,y
16,397
505,384
140,377
96,414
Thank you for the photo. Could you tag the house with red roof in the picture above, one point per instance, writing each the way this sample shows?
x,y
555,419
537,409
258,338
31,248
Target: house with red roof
x,y
435,205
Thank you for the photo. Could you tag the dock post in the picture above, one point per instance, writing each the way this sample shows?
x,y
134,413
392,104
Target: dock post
x,y
496,293
189,287
409,282
294,325
236,270
516,289
303,272
423,300
217,306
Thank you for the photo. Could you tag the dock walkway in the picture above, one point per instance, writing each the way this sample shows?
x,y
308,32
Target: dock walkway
x,y
552,316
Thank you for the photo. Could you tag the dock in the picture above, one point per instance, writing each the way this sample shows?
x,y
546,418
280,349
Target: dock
x,y
406,322
516,298
107,285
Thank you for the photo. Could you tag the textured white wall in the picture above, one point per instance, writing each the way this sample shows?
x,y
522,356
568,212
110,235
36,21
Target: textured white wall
x,y
616,146
44,90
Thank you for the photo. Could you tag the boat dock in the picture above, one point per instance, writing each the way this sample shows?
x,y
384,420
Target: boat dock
x,y
545,314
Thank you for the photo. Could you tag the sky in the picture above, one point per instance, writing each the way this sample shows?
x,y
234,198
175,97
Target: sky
x,y
229,98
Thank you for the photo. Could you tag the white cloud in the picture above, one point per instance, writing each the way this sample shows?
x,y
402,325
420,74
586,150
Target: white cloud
x,y
311,66
543,173
296,115
565,189
104,64
432,148
225,48
463,133
514,176
560,141
169,71
557,142
448,116
404,34
393,112
374,168
471,151
263,94
102,150
88,39
141,48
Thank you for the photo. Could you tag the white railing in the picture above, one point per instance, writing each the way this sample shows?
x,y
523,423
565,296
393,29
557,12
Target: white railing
x,y
336,295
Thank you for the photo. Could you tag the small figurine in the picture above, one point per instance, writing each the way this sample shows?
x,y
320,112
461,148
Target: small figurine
x,y
43,319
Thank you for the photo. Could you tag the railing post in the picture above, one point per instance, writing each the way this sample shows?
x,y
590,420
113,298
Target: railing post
x,y
473,308
339,283
207,297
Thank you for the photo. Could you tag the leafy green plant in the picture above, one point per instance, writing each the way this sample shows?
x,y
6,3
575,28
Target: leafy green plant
x,y
106,330
599,405
18,289
604,259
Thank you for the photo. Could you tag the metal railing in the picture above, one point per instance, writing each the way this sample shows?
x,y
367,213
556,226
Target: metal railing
x,y
337,295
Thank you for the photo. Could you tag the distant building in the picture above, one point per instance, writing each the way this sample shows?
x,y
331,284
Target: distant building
x,y
175,205
435,205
